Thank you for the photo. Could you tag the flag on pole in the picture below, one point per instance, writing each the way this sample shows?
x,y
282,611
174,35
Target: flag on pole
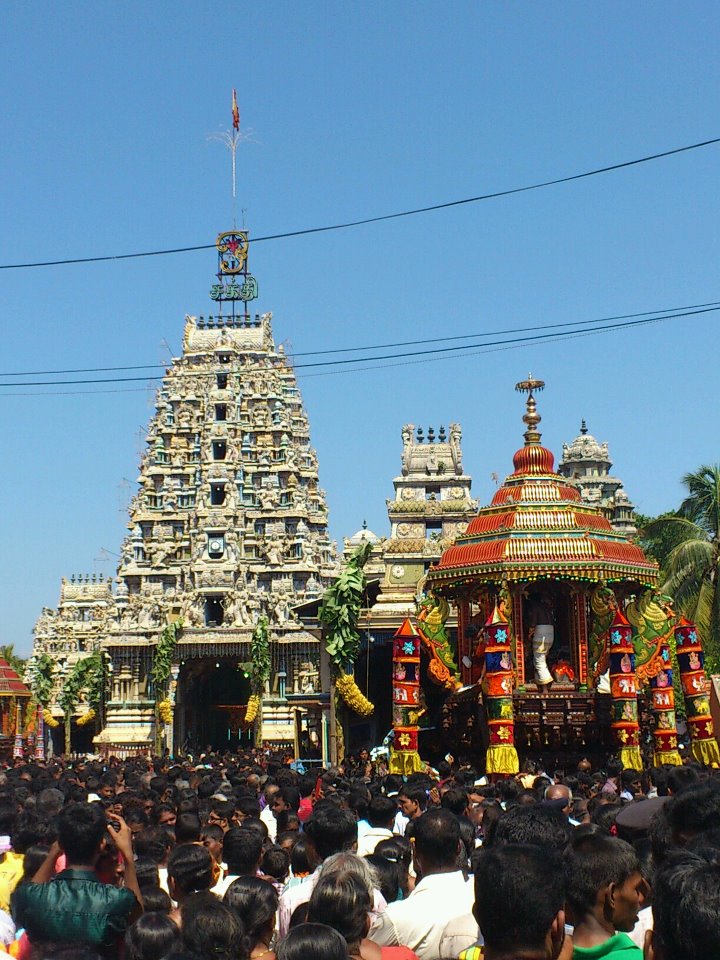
x,y
235,112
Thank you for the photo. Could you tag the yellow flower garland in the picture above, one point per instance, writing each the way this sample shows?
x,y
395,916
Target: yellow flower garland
x,y
165,712
352,695
50,719
253,706
86,718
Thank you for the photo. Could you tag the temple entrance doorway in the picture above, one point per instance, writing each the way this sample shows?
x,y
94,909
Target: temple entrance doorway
x,y
212,696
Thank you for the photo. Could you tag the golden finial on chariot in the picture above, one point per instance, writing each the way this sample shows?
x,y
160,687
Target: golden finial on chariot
x,y
532,418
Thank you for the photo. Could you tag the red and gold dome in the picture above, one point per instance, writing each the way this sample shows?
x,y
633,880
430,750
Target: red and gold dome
x,y
537,527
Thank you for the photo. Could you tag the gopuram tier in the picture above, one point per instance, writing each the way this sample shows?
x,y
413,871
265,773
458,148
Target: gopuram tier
x,y
227,530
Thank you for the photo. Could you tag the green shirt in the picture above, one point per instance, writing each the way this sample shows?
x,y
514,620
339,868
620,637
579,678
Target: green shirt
x,y
619,947
74,907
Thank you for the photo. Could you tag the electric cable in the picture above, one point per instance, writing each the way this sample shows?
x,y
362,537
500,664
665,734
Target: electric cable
x,y
378,219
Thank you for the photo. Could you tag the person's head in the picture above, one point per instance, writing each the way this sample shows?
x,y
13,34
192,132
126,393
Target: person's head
x,y
343,901
694,810
190,869
221,812
211,929
437,841
151,937
275,863
560,796
81,829
287,798
303,858
678,779
312,941
630,781
412,801
246,806
165,815
146,871
287,820
542,826
686,907
156,900
242,850
519,901
154,843
604,881
255,902
187,828
382,812
331,830
388,876
212,837
455,800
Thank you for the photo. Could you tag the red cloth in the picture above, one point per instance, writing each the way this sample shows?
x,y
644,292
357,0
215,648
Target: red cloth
x,y
305,809
398,953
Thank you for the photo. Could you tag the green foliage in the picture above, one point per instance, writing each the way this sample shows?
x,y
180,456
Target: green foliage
x,y
691,565
656,537
260,656
340,610
163,658
7,652
40,677
88,675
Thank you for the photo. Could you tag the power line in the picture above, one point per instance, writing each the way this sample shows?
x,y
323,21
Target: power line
x,y
536,338
670,311
379,219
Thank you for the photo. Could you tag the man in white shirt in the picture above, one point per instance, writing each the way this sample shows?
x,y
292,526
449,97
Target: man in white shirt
x,y
442,893
381,817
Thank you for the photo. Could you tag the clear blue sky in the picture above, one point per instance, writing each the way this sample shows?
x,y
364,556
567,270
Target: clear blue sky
x,y
358,109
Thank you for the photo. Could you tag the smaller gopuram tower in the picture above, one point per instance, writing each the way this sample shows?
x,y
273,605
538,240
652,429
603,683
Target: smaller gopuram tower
x,y
431,507
586,464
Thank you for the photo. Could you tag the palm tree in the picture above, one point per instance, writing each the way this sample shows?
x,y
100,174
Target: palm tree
x,y
691,571
7,652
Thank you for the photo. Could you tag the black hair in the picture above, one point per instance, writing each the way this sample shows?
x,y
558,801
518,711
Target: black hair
x,y
275,863
81,828
156,900
187,828
247,805
416,792
679,779
242,848
285,818
303,858
342,901
594,863
291,796
381,812
388,876
147,872
519,890
255,902
153,843
331,830
151,937
686,905
190,866
299,915
69,951
537,824
312,941
455,800
694,810
211,929
437,835
605,814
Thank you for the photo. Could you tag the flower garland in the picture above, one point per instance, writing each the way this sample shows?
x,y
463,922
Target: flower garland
x,y
50,719
86,718
339,614
165,712
253,708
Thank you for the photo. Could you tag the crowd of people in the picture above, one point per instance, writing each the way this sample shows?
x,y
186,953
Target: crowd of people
x,y
244,858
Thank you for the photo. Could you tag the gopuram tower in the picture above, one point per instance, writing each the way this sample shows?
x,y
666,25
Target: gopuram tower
x,y
229,525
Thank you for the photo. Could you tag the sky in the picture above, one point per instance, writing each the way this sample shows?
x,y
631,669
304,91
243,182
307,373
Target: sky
x,y
355,110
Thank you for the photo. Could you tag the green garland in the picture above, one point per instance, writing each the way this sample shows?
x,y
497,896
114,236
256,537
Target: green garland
x,y
340,610
163,658
88,674
260,656
40,675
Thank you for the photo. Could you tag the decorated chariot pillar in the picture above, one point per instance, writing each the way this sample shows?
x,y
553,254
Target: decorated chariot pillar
x,y
502,757
696,692
663,707
404,756
623,689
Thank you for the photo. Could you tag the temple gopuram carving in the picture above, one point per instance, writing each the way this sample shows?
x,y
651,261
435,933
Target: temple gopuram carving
x,y
586,464
228,526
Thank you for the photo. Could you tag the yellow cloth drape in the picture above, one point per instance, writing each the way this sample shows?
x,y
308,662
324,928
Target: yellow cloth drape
x,y
671,758
405,762
502,758
706,751
631,758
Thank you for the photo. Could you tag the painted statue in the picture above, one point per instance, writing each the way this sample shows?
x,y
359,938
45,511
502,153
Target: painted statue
x,y
432,616
653,621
